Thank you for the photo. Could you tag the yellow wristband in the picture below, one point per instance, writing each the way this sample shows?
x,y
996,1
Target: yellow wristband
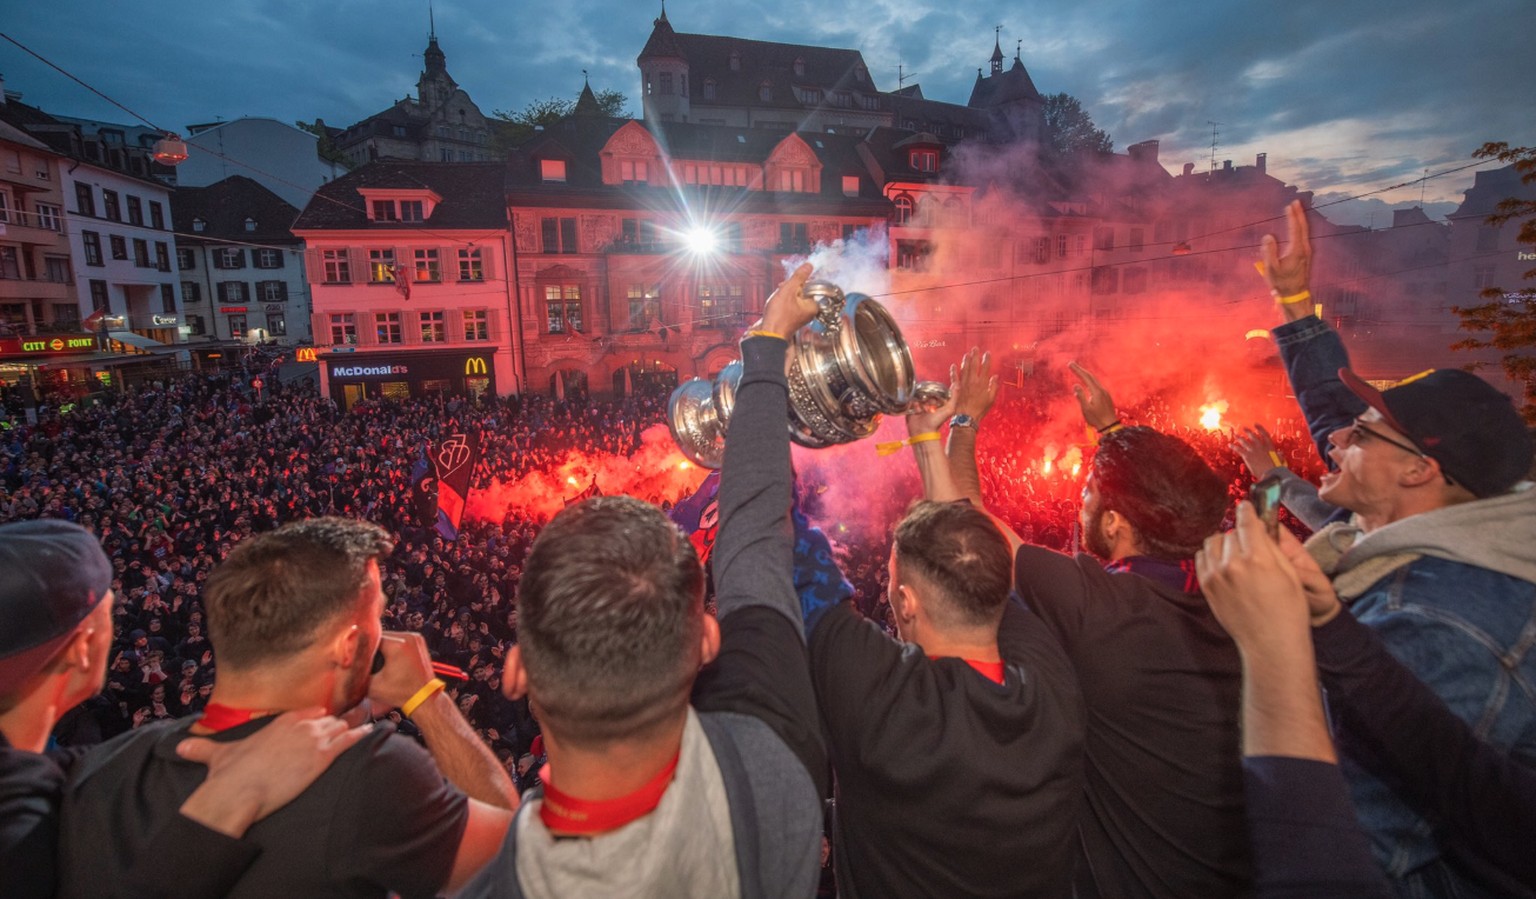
x,y
885,449
1275,458
435,685
1293,298
759,332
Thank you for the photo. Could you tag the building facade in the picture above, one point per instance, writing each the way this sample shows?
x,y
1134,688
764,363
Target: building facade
x,y
37,290
281,158
408,266
241,268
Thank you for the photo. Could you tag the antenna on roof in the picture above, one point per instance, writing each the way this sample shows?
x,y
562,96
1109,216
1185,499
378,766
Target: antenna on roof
x,y
1018,52
902,75
1214,134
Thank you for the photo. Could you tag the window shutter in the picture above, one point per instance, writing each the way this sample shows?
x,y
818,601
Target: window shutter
x,y
282,291
223,290
358,268
314,266
239,253
282,259
453,319
367,328
490,253
493,325
320,328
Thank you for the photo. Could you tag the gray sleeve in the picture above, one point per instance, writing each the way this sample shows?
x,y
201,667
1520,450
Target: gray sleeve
x,y
752,556
1299,495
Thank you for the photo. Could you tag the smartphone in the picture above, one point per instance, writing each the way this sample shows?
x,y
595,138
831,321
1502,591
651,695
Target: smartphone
x,y
1265,496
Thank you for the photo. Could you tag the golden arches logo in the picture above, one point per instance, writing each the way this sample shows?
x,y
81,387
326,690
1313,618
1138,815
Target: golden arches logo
x,y
475,365
305,354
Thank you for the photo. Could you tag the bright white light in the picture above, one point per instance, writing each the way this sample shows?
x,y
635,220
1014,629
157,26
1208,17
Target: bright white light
x,y
700,241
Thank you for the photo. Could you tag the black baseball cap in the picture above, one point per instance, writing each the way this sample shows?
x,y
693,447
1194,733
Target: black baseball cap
x,y
53,574
1461,421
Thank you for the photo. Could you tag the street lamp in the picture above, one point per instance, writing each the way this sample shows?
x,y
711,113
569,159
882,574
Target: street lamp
x,y
170,149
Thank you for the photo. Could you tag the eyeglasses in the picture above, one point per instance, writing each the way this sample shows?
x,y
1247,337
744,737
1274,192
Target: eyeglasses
x,y
1357,431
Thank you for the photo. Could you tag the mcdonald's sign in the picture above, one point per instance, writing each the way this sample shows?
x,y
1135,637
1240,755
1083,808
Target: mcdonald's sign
x,y
475,365
305,354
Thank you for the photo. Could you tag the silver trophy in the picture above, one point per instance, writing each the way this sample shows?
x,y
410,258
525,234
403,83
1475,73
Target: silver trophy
x,y
847,368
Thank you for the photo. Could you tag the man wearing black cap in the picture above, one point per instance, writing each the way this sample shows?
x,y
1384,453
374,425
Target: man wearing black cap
x,y
1439,556
56,602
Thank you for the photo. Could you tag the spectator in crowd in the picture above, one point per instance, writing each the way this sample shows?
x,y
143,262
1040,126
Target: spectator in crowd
x,y
296,615
973,679
1297,494
1160,678
662,779
56,600
1437,557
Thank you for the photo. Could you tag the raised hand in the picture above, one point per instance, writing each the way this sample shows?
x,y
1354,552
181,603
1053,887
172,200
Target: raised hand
x,y
788,309
1097,405
1291,273
1257,450
974,387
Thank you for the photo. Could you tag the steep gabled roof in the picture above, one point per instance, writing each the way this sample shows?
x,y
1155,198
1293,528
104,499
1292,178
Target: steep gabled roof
x,y
472,196
826,68
1004,87
224,206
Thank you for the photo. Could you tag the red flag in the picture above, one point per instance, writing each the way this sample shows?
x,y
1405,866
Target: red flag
x,y
403,280
94,319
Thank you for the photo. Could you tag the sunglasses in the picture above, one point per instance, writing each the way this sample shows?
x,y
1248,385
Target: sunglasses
x,y
1357,432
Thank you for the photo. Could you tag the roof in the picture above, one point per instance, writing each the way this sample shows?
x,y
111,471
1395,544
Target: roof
x,y
1004,87
662,43
472,196
68,137
826,68
225,205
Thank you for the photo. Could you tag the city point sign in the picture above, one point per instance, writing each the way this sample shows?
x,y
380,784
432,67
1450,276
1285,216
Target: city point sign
x,y
47,345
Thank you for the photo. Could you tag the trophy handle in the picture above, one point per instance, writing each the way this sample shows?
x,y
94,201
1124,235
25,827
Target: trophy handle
x,y
829,301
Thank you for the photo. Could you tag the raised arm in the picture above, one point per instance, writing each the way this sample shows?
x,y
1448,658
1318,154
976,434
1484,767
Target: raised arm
x,y
1312,351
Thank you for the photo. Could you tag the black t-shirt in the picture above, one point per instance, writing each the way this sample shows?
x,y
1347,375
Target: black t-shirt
x,y
949,784
381,818
29,802
1162,683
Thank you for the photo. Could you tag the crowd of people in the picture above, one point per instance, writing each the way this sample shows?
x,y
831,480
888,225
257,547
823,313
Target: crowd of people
x,y
1147,694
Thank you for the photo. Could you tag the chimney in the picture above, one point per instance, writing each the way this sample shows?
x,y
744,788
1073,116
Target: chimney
x,y
1146,151
1226,165
1189,168
1261,162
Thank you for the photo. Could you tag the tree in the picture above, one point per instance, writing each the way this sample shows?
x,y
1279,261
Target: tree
x,y
1070,129
324,147
543,113
1509,317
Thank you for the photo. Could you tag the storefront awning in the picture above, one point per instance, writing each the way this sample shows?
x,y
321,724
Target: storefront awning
x,y
134,340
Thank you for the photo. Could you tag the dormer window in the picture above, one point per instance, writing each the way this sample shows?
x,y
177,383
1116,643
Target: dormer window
x,y
198,225
552,170
709,88
735,61
250,224
850,185
800,68
765,91
924,160
402,205
861,73
384,210
411,211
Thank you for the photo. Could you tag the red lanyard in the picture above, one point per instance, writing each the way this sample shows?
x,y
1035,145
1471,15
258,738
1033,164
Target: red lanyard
x,y
567,814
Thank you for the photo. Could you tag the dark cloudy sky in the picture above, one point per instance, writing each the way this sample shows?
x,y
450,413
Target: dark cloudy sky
x,y
1345,96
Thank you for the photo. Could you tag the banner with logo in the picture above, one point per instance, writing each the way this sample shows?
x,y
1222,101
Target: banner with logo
x,y
699,516
455,459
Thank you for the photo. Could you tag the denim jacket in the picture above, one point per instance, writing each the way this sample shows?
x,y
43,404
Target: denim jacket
x,y
1455,602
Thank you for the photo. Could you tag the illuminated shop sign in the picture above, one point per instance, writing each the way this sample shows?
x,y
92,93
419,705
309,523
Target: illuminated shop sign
x,y
63,344
165,321
368,371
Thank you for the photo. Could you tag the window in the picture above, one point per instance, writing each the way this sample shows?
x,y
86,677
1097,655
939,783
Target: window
x,y
432,327
793,237
552,170
559,235
5,206
924,160
1106,279
388,327
664,83
912,255
109,206
231,291
1104,238
343,328
1135,281
92,242
1061,246
800,67
156,216
1482,275
792,180
119,246
190,292
709,88
237,328
85,200
410,211
337,269
381,266
199,225
196,325
720,305
267,257
471,267
56,269
272,291
168,299
904,209
476,325
765,91
1138,240
735,61
428,268
631,171
10,264
277,324
135,211
186,260
384,210
140,253
562,304
644,304
101,301
162,256
850,185
229,257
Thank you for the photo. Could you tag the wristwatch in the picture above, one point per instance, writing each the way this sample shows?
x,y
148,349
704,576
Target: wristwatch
x,y
962,421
